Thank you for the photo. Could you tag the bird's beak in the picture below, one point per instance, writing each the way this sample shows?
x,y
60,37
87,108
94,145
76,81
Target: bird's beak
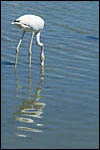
x,y
12,23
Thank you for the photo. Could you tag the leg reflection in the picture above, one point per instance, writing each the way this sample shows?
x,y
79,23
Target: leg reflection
x,y
31,109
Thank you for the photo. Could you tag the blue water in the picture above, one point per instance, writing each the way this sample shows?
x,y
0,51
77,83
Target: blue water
x,y
56,106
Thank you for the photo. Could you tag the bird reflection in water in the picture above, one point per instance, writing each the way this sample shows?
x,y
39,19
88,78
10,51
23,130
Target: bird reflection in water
x,y
30,111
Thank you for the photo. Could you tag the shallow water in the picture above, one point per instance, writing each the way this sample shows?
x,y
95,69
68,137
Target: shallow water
x,y
55,106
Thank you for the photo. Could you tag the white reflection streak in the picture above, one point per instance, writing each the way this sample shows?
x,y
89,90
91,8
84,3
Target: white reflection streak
x,y
28,129
27,120
21,135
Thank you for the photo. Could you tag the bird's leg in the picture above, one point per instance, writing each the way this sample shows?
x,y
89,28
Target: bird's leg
x,y
42,57
29,61
17,49
31,44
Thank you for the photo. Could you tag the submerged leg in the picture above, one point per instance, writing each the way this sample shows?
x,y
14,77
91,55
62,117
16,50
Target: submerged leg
x,y
16,59
17,49
42,57
31,43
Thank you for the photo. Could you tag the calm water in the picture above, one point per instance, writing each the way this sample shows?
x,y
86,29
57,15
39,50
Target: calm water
x,y
55,106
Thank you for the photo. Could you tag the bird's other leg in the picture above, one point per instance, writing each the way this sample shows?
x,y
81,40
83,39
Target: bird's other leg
x,y
31,44
42,57
29,61
20,41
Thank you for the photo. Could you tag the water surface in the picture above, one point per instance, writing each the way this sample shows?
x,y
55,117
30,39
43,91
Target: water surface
x,y
55,106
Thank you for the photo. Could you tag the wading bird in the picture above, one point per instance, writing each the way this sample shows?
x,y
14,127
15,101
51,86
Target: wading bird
x,y
34,24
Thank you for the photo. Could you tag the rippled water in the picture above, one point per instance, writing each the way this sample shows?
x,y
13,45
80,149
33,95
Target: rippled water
x,y
55,106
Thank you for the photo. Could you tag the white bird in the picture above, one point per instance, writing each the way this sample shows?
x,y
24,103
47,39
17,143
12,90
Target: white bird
x,y
34,24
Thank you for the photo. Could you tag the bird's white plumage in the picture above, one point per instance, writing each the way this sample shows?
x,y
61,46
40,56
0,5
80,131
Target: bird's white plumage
x,y
30,23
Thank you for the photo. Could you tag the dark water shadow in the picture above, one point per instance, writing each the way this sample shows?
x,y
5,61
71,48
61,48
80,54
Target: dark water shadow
x,y
6,63
92,37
